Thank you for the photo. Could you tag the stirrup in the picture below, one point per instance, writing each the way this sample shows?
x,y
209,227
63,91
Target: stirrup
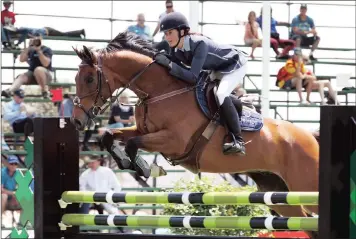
x,y
235,144
233,138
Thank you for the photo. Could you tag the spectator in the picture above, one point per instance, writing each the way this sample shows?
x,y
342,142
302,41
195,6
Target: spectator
x,y
18,114
26,32
251,33
8,184
65,108
294,76
140,28
121,115
239,91
320,85
7,23
100,179
5,147
39,58
276,41
163,45
303,31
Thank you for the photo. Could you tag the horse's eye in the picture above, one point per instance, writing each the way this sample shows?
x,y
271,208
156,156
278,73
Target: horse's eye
x,y
90,79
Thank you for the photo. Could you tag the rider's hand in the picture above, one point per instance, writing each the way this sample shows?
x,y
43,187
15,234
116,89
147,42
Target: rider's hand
x,y
163,60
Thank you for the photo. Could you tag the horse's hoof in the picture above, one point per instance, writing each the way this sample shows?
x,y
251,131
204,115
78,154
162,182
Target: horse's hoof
x,y
157,171
142,167
120,157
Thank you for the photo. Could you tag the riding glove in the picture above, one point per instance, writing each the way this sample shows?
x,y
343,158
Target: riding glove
x,y
163,60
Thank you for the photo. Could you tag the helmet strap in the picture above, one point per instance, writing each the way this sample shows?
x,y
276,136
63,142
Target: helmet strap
x,y
179,37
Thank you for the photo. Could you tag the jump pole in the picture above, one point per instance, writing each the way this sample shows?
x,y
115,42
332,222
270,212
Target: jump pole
x,y
56,169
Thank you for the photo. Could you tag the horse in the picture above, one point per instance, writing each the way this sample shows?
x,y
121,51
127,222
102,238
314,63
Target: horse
x,y
280,156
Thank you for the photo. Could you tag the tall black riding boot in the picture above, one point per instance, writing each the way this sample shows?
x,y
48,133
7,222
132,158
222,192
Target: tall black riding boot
x,y
232,122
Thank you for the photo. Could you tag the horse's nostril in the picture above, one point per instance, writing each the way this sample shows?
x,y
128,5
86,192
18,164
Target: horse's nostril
x,y
77,123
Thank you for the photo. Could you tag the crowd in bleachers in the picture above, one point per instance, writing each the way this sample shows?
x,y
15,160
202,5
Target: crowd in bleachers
x,y
294,75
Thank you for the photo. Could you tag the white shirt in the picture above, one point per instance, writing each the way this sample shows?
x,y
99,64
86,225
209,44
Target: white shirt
x,y
103,179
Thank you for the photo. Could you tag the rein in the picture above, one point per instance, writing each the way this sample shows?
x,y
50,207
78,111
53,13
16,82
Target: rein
x,y
144,101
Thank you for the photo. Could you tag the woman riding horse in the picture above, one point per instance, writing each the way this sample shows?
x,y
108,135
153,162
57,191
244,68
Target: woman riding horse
x,y
201,53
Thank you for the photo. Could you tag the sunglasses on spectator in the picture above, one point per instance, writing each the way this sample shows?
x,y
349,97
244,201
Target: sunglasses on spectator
x,y
13,163
169,6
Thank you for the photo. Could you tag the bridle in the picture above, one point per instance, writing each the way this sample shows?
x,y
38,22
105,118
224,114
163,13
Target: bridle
x,y
95,109
144,100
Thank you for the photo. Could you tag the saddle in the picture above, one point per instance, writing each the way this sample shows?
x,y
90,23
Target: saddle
x,y
206,88
250,120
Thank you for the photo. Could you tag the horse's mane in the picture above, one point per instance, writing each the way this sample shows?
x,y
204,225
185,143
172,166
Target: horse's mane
x,y
133,42
123,41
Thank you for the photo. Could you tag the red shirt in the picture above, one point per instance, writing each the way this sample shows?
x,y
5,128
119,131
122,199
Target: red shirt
x,y
7,17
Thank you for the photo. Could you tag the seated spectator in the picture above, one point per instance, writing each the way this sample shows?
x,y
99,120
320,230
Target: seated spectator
x,y
26,32
294,76
65,108
304,32
5,147
140,28
7,23
121,115
18,114
8,184
100,179
320,85
276,41
251,33
239,91
39,58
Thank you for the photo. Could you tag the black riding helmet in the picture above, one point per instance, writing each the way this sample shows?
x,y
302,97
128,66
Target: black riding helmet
x,y
174,20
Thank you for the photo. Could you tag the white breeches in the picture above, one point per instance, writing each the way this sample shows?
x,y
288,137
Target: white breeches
x,y
229,82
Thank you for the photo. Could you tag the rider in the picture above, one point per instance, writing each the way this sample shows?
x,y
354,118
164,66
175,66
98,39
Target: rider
x,y
201,53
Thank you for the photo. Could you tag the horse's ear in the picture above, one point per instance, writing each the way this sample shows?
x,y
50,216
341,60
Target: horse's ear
x,y
77,52
86,50
89,53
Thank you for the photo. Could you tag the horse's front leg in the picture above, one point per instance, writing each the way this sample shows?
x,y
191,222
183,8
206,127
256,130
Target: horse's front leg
x,y
154,142
124,134
110,140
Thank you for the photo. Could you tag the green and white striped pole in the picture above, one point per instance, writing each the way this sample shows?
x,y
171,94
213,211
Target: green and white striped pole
x,y
211,198
210,222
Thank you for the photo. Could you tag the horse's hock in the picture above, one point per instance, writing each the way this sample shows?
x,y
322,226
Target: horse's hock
x,y
337,179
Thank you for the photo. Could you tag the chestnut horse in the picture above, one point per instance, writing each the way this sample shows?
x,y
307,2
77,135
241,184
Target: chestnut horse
x,y
280,157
